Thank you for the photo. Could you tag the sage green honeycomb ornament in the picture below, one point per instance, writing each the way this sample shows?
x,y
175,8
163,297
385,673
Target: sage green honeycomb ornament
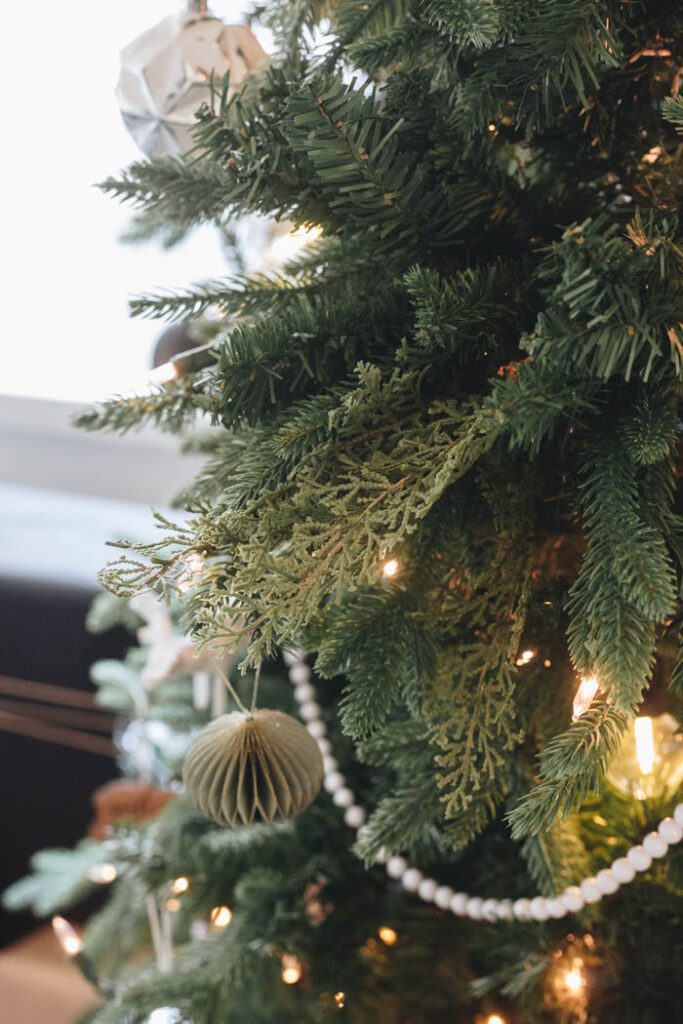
x,y
248,767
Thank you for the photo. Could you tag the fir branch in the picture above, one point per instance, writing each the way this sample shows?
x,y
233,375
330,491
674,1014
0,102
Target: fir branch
x,y
571,766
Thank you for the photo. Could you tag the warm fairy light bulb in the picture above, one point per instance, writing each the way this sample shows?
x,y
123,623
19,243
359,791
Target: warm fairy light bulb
x,y
221,916
390,568
163,374
388,936
573,980
584,696
192,569
173,905
645,744
67,936
181,884
494,1018
525,657
102,874
340,1000
291,969
652,155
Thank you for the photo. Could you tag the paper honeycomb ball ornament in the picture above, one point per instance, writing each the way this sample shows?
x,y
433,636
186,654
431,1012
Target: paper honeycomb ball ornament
x,y
165,75
248,768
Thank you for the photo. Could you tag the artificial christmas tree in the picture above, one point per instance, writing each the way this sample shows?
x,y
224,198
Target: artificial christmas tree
x,y
444,461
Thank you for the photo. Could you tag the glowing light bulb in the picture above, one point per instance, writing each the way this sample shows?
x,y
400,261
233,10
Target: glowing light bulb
x,y
584,696
652,155
495,1018
390,568
192,570
573,980
291,969
173,905
525,657
102,874
492,127
645,744
181,884
163,374
340,1000
67,936
388,936
221,916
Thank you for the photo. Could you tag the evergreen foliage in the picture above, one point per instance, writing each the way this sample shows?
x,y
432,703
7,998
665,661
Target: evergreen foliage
x,y
475,371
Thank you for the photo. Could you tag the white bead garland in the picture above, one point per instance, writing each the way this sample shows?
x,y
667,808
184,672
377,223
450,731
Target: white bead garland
x,y
539,908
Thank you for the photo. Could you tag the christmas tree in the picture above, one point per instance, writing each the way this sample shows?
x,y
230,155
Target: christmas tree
x,y
442,471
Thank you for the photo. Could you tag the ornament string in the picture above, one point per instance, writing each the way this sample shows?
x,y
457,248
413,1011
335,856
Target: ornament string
x,y
478,908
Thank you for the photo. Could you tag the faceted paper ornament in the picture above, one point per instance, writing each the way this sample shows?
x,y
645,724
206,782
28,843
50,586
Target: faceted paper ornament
x,y
165,75
253,767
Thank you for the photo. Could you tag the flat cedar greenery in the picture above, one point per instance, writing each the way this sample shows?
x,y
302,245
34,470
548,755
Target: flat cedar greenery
x,y
476,370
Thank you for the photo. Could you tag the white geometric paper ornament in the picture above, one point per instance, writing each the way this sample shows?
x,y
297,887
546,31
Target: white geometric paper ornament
x,y
165,75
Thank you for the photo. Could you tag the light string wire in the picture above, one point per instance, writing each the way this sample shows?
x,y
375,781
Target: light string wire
x,y
478,908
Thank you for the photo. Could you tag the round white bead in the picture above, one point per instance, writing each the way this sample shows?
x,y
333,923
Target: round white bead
x,y
607,881
670,831
556,907
590,890
330,764
343,797
333,781
411,879
324,745
573,898
304,692
638,858
316,728
443,897
459,903
396,866
655,845
489,910
309,710
299,673
539,908
473,907
623,871
522,909
354,816
504,910
678,814
290,657
381,857
426,889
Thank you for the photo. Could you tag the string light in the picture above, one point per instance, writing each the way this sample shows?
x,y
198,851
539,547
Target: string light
x,y
645,744
573,979
291,969
340,1000
181,884
102,874
494,1018
584,696
173,905
525,657
388,936
193,568
67,936
652,155
390,568
221,916
163,374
